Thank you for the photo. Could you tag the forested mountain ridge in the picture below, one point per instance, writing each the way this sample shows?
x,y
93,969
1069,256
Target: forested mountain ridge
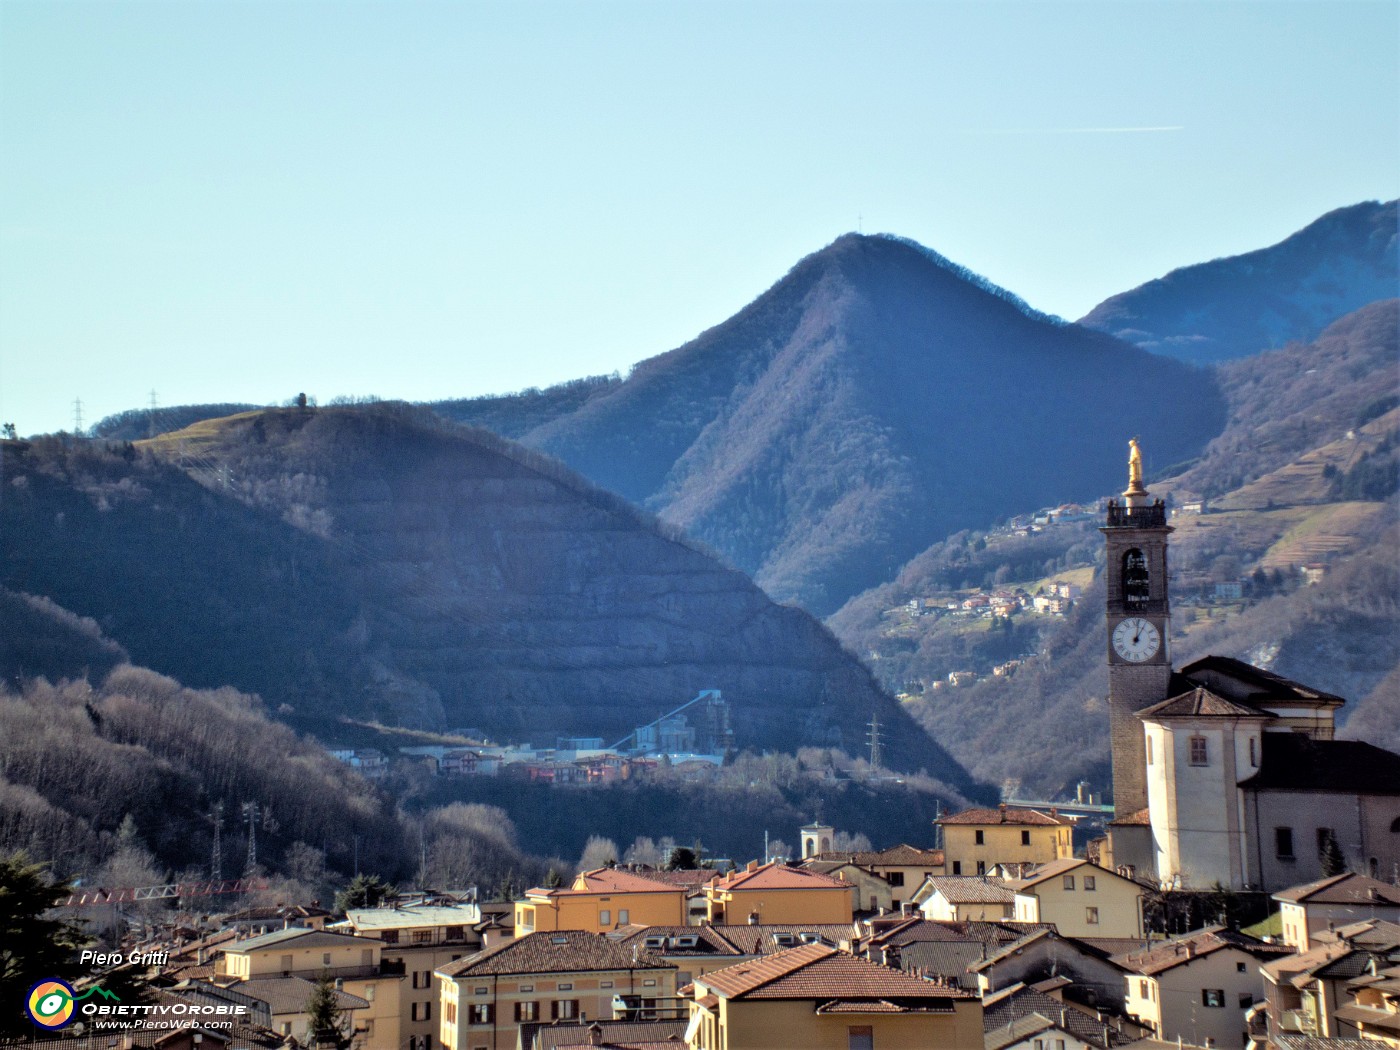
x,y
376,562
1231,308
1305,474
873,398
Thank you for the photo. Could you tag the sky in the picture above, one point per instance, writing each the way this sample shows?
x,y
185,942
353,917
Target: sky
x,y
239,201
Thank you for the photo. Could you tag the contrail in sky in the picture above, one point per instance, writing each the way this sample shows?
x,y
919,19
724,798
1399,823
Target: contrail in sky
x,y
1079,131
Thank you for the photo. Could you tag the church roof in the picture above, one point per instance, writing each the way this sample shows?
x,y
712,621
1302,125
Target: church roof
x,y
1346,888
1296,762
1246,684
1197,703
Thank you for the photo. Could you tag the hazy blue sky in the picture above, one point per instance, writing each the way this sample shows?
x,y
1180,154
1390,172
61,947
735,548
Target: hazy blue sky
x,y
238,201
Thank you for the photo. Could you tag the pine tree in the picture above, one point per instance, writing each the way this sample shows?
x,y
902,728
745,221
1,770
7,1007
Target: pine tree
x,y
325,1024
32,947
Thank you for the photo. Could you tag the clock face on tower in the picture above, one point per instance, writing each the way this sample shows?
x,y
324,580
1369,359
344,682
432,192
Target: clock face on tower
x,y
1136,640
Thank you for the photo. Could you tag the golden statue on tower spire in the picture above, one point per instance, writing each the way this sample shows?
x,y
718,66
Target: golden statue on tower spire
x,y
1135,493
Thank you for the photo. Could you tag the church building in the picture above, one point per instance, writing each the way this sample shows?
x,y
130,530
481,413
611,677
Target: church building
x,y
1224,773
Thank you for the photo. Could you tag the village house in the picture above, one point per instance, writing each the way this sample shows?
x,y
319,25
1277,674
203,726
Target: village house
x,y
418,936
777,893
903,867
1374,1010
977,839
873,893
820,998
964,898
1038,1017
600,900
564,975
1042,955
1338,900
279,967
1304,993
1080,899
1198,987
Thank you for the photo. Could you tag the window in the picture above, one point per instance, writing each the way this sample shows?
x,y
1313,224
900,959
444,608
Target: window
x,y
1142,989
454,933
390,936
1089,883
369,993
1069,882
325,958
1025,838
1241,968
860,1038
605,917
527,1011
896,878
422,936
981,867
1254,752
566,987
422,978
1283,843
1213,997
1091,916
1199,754
1059,1044
957,867
980,837
527,987
1040,1044
605,984
480,1013
1246,1000
481,991
563,1009
421,1011
622,914
1136,583
449,1012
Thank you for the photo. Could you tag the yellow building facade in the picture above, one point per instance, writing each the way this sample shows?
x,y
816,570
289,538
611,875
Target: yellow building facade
x,y
819,998
600,900
775,893
977,840
568,975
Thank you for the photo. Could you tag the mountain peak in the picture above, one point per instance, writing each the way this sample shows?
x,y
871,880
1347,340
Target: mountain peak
x,y
1262,300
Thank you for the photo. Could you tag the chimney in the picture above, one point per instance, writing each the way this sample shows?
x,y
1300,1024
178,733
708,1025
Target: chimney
x,y
753,866
595,1034
1002,813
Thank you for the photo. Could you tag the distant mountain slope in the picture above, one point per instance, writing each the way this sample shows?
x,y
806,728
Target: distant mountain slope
x,y
137,423
1305,473
375,562
1284,403
1231,308
874,398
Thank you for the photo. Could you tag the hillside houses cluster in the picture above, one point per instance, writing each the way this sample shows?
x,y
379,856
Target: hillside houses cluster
x,y
574,762
1003,939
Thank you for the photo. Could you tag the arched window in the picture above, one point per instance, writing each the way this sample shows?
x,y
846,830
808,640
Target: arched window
x,y
1136,584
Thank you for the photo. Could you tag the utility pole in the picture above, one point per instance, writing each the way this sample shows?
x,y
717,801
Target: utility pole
x,y
250,810
216,864
874,738
151,419
77,417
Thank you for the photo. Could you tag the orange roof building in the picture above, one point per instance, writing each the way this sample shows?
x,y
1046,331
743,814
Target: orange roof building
x,y
819,996
600,900
778,893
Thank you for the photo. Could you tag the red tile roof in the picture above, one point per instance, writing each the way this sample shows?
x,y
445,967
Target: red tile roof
x,y
1004,815
818,971
565,951
616,880
776,876
1183,950
1200,702
1347,888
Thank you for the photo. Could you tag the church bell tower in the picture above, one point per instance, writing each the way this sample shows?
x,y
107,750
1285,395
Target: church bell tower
x,y
1139,657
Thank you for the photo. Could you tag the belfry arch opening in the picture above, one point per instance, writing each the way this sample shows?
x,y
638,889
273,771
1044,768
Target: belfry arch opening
x,y
1136,580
